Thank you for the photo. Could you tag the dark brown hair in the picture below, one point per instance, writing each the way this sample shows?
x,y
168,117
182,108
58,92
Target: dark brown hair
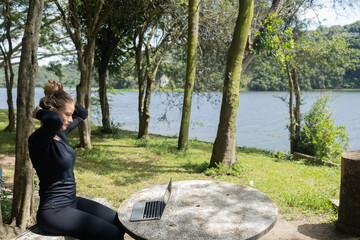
x,y
54,97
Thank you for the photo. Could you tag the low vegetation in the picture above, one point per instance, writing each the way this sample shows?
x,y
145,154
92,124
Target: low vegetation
x,y
119,165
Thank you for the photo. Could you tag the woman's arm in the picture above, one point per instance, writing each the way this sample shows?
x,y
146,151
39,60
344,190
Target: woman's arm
x,y
51,123
79,115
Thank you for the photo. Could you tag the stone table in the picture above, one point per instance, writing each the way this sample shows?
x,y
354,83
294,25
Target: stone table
x,y
203,210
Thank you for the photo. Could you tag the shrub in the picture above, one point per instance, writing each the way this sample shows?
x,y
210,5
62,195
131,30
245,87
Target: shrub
x,y
319,137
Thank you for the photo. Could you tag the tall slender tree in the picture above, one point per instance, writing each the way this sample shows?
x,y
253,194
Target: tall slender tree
x,y
224,149
11,19
158,29
8,69
83,25
111,43
193,32
22,206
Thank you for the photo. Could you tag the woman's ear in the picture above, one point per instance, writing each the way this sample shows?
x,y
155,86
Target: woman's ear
x,y
52,109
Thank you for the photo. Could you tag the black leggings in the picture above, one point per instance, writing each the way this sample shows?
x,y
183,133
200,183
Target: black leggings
x,y
86,220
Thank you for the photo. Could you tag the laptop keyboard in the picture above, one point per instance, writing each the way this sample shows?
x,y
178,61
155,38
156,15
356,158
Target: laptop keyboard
x,y
153,209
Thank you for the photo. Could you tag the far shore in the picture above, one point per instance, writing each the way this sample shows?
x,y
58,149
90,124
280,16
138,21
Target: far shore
x,y
94,89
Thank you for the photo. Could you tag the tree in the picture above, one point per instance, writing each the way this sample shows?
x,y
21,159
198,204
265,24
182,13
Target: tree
x,y
56,67
190,71
7,51
158,29
22,206
224,149
113,38
11,19
313,52
319,136
277,43
94,13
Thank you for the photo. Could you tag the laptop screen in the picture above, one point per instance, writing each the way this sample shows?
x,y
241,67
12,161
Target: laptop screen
x,y
168,192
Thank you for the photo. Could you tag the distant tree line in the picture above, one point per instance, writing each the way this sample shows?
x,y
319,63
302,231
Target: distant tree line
x,y
264,74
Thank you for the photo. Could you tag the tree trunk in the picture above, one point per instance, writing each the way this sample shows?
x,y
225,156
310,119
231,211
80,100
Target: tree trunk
x,y
190,72
141,78
145,114
83,89
9,80
104,103
2,229
291,107
95,16
298,102
107,50
24,173
83,95
349,208
224,149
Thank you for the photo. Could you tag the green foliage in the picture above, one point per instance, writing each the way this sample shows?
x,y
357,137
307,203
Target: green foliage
x,y
7,139
5,203
269,78
114,128
234,170
274,41
319,136
327,58
324,59
56,67
70,75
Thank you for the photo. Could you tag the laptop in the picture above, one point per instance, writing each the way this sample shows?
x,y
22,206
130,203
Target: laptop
x,y
151,209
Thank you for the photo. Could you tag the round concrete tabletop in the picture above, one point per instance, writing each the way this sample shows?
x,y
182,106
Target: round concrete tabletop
x,y
203,210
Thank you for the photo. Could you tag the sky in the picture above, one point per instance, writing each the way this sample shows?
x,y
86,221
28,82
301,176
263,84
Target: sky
x,y
330,17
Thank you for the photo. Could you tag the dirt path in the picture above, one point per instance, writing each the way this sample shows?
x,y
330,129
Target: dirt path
x,y
303,230
300,230
6,160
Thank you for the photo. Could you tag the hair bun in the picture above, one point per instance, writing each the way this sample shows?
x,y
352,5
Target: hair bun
x,y
50,88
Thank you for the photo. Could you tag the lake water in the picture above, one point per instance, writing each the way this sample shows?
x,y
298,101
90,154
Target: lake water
x,y
261,120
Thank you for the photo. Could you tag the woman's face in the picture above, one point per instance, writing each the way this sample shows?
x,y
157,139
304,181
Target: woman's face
x,y
66,114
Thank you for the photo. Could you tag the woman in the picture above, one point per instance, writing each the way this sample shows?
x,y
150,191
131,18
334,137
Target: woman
x,y
61,212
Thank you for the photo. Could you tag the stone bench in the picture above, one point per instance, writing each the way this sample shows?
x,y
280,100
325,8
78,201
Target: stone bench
x,y
35,233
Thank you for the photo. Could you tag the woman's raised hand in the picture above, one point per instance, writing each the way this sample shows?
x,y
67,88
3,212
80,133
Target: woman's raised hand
x,y
35,111
59,85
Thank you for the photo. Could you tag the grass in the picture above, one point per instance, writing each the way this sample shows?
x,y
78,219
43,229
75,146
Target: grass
x,y
119,165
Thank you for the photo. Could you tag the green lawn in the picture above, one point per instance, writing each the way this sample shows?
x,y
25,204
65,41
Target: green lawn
x,y
119,165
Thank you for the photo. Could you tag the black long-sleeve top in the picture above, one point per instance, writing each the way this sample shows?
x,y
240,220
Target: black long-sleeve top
x,y
54,159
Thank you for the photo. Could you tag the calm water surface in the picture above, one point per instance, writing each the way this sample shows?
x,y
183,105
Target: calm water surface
x,y
261,120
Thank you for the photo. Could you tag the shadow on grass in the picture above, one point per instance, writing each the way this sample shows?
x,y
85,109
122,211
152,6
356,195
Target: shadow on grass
x,y
134,170
255,151
120,134
322,231
7,142
157,156
196,167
